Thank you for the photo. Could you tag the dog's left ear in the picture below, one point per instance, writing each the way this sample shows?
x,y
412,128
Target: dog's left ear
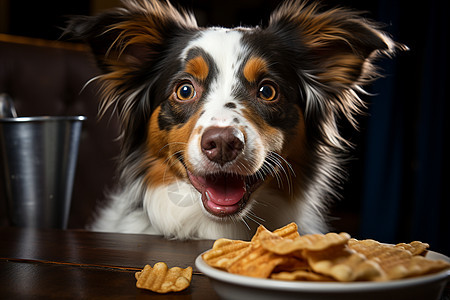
x,y
340,43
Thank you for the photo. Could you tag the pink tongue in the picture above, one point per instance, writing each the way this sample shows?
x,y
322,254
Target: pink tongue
x,y
224,190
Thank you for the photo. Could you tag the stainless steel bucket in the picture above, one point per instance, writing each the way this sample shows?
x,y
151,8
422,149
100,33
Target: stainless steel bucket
x,y
39,155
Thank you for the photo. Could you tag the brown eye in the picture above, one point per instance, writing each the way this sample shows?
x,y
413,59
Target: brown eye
x,y
267,92
185,91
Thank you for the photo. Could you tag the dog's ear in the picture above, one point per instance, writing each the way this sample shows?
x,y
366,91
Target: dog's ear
x,y
130,35
128,41
333,53
340,43
130,45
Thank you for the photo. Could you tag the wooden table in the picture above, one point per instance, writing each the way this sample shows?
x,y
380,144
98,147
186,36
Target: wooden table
x,y
59,264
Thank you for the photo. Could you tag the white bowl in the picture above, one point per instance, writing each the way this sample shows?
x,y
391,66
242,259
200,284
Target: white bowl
x,y
231,286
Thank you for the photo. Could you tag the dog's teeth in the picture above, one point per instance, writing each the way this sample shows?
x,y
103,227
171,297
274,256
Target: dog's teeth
x,y
208,196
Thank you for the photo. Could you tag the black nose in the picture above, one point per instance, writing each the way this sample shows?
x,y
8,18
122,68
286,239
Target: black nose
x,y
222,144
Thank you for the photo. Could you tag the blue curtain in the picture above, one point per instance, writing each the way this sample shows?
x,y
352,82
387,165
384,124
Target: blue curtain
x,y
406,194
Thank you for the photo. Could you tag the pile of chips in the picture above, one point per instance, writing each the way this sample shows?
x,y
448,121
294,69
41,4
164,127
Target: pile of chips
x,y
285,255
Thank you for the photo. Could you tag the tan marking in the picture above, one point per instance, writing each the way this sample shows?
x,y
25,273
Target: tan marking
x,y
157,153
163,166
271,136
254,68
198,68
157,138
180,136
292,148
198,130
329,38
342,69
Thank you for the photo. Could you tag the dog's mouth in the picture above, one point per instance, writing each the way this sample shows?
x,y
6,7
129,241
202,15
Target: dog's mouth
x,y
225,194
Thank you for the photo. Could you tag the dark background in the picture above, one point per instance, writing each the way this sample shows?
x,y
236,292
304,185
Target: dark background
x,y
397,189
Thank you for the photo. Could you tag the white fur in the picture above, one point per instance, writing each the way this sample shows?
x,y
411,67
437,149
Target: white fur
x,y
225,46
176,211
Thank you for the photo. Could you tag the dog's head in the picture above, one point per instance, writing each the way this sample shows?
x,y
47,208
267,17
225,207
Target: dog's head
x,y
229,110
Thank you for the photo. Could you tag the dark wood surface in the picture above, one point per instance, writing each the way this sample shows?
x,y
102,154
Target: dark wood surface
x,y
58,264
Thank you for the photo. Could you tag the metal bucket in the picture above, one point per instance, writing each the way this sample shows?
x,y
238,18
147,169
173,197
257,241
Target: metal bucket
x,y
39,155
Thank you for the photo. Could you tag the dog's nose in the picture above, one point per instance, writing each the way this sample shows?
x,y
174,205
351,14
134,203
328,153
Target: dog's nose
x,y
222,144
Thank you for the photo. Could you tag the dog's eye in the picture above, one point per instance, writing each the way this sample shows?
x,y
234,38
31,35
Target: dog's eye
x,y
185,91
267,92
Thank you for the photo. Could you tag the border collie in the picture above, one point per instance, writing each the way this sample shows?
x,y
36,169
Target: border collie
x,y
223,129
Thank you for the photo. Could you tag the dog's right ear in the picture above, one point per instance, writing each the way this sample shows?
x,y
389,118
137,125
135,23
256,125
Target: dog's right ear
x,y
129,43
130,35
98,33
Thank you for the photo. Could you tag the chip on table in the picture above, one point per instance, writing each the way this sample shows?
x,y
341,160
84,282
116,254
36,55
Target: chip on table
x,y
161,279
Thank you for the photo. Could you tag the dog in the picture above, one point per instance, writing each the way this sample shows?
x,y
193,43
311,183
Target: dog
x,y
226,129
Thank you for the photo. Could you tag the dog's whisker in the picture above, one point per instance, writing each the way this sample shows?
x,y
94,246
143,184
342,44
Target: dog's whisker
x,y
251,217
172,158
261,174
285,162
251,213
270,169
173,162
276,163
241,168
245,223
172,143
